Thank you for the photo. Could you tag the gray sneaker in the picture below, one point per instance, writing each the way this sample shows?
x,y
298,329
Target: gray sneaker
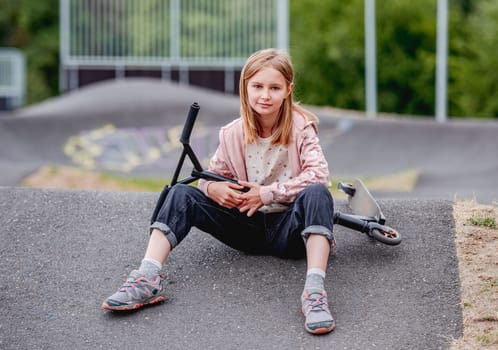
x,y
136,292
315,308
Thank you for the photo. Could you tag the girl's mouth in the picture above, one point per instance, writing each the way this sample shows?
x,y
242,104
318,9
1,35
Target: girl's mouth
x,y
265,105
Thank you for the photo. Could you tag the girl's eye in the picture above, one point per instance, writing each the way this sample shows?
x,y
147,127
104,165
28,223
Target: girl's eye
x,y
259,86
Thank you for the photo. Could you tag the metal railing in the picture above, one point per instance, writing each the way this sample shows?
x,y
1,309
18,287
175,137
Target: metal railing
x,y
165,34
12,77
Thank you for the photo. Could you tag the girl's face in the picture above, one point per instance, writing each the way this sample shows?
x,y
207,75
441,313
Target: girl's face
x,y
266,91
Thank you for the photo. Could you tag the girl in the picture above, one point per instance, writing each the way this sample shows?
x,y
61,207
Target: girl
x,y
273,150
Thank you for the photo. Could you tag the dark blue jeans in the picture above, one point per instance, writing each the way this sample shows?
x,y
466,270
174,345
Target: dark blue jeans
x,y
281,234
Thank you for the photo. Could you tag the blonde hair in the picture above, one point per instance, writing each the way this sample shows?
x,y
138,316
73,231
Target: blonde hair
x,y
279,60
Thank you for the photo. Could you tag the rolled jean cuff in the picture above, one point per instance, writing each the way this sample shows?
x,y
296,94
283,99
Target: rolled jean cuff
x,y
318,230
170,236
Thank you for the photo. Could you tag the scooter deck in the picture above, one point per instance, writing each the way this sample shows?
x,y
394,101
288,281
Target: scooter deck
x,y
363,203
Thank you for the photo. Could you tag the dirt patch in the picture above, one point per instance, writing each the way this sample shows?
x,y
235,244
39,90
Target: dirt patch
x,y
403,181
477,249
74,178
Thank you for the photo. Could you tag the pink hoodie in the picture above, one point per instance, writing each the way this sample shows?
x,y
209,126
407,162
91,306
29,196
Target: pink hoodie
x,y
306,160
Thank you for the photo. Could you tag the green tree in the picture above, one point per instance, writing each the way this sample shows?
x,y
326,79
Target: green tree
x,y
326,43
473,65
406,48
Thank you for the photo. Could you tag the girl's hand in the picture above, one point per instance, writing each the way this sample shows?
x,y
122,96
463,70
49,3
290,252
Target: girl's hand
x,y
223,193
251,200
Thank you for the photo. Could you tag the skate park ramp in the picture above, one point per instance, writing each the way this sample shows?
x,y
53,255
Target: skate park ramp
x,y
38,135
456,159
65,251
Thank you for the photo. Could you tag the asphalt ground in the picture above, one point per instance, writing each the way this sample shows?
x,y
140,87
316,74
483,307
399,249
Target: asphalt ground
x,y
63,252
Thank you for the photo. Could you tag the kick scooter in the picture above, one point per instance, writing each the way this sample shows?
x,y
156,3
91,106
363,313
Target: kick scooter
x,y
367,216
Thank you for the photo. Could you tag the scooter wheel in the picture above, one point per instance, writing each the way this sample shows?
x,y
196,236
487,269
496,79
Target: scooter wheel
x,y
386,235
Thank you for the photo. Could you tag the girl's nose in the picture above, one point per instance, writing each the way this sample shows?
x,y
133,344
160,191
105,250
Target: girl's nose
x,y
265,95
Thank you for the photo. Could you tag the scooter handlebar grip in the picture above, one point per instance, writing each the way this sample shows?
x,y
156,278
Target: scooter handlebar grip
x,y
189,123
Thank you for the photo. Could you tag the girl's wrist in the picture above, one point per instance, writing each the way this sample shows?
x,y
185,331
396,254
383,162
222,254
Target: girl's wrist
x,y
209,183
266,195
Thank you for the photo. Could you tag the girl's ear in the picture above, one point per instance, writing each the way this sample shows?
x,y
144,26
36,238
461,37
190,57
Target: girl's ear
x,y
290,88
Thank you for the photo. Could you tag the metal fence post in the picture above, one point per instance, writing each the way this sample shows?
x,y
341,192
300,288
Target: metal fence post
x,y
370,60
442,61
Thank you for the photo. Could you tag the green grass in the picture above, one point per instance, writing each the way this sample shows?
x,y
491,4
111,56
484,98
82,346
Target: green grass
x,y
484,221
143,184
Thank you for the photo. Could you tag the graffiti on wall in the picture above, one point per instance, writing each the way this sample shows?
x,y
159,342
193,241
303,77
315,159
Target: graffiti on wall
x,y
125,149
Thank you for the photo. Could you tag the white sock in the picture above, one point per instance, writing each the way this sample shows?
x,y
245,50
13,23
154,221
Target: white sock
x,y
155,262
316,270
314,279
150,267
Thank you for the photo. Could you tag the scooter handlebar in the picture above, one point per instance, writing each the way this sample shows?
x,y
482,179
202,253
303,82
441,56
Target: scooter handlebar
x,y
189,123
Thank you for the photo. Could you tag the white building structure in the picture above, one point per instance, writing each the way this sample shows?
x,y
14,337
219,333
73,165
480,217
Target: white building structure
x,y
12,78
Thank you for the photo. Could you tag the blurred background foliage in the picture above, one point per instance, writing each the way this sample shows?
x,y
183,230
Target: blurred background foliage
x,y
327,46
